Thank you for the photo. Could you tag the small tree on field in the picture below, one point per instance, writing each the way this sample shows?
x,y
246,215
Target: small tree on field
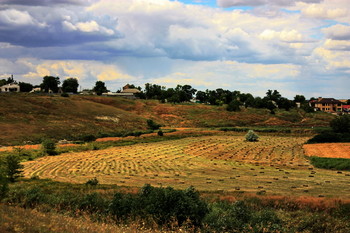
x,y
48,147
10,169
251,136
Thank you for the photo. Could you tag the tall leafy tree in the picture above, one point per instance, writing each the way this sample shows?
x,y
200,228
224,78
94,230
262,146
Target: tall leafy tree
x,y
50,83
100,87
25,87
70,85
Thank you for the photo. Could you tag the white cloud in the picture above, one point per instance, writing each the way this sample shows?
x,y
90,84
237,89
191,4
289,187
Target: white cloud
x,y
16,17
338,32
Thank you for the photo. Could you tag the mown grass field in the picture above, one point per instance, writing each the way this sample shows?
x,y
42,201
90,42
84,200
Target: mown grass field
x,y
273,166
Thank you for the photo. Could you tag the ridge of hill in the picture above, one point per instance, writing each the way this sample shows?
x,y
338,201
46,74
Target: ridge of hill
x,y
31,117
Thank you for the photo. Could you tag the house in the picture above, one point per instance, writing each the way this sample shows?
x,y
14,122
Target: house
x,y
330,105
127,92
11,87
35,90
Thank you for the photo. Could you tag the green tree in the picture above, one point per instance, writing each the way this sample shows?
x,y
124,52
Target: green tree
x,y
50,83
100,87
11,167
341,124
25,87
202,96
70,85
48,147
234,106
299,99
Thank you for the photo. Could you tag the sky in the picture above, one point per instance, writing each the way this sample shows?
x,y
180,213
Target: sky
x,y
295,47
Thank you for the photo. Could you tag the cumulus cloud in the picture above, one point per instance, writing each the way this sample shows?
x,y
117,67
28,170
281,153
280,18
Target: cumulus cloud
x,y
338,32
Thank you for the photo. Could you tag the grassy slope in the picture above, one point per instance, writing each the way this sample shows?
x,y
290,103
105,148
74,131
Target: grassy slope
x,y
25,117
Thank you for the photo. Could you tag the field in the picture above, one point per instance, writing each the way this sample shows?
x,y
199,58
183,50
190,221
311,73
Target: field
x,y
328,150
274,165
29,118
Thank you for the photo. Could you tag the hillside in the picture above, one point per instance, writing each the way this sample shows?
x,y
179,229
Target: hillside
x,y
29,117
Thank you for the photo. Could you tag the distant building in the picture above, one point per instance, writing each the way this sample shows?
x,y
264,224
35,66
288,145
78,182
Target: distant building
x,y
346,108
11,87
330,105
127,92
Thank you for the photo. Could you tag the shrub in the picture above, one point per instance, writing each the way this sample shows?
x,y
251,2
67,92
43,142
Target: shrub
x,y
227,217
64,95
92,182
160,133
93,202
341,124
3,185
251,136
88,138
48,147
152,125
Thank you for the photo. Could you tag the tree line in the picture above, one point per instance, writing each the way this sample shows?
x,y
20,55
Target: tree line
x,y
234,100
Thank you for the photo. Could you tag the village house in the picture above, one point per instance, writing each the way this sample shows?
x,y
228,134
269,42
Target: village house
x,y
127,92
330,105
11,87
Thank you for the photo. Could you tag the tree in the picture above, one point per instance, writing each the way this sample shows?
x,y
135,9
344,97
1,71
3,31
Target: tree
x,y
273,95
201,96
341,124
25,87
299,99
11,167
100,87
48,147
70,85
234,106
50,83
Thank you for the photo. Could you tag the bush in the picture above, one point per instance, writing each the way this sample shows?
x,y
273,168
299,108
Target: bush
x,y
341,124
64,95
92,182
48,147
88,138
3,185
164,205
152,125
227,217
251,136
160,133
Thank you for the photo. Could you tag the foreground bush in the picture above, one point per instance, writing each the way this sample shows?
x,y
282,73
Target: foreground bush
x,y
251,136
164,205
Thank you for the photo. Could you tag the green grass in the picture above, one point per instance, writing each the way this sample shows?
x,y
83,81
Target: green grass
x,y
331,163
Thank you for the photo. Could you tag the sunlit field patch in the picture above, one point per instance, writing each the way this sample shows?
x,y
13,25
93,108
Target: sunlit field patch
x,y
273,165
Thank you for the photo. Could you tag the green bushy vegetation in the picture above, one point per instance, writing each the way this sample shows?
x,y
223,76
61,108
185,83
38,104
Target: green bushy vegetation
x,y
331,163
340,131
251,136
165,207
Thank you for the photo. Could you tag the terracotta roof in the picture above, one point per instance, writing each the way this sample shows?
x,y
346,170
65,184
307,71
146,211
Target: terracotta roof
x,y
346,106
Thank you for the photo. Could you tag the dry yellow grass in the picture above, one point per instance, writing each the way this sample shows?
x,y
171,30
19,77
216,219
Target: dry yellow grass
x,y
227,163
329,150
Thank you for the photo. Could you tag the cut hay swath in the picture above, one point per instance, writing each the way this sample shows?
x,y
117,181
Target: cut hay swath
x,y
275,165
